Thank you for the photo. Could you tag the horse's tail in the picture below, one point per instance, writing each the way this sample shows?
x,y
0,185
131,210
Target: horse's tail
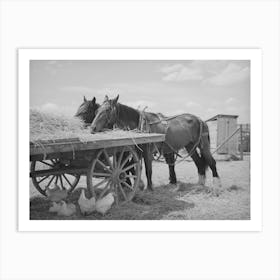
x,y
205,151
205,136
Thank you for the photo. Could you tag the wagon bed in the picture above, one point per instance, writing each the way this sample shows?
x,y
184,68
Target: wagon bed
x,y
100,140
109,160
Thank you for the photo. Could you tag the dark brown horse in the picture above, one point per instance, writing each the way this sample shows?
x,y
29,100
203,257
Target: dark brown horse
x,y
87,110
182,131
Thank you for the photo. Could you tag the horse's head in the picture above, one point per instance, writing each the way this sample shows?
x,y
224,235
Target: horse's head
x,y
87,110
106,115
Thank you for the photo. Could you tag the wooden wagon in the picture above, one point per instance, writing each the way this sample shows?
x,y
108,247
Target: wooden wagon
x,y
110,163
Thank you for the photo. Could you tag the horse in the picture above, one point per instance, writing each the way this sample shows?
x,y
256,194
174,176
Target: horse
x,y
87,110
181,131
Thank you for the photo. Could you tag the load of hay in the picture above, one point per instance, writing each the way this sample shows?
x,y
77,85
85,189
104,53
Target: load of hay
x,y
49,126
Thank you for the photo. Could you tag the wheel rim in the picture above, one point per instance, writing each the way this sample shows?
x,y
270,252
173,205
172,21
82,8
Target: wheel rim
x,y
118,173
63,180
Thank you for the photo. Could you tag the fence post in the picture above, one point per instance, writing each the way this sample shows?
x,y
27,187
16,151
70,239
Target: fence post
x,y
241,142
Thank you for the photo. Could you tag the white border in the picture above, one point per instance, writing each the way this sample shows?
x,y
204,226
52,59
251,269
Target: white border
x,y
254,55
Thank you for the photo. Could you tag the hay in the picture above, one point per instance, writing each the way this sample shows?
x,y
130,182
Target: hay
x,y
46,126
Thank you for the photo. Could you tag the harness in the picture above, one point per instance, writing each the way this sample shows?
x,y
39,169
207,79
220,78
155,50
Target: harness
x,y
145,125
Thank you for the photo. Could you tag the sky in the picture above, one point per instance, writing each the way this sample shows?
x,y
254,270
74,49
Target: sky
x,y
201,87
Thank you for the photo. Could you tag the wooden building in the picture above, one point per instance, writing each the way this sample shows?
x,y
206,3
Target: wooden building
x,y
221,128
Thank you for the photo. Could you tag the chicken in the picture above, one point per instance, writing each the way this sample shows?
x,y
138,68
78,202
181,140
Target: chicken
x,y
55,207
66,209
104,204
56,194
87,206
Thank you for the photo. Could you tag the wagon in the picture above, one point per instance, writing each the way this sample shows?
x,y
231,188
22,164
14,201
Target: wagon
x,y
109,161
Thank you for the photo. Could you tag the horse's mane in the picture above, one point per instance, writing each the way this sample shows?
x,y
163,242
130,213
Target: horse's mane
x,y
129,112
127,116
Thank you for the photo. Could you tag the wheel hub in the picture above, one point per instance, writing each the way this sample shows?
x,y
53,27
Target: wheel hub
x,y
118,176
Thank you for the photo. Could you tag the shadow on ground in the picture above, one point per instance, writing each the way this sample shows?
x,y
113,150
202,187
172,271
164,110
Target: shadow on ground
x,y
144,206
156,205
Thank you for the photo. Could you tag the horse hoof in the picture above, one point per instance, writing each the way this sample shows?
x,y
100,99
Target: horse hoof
x,y
201,180
172,182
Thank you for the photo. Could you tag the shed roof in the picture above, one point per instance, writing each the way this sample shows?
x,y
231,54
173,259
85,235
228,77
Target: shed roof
x,y
222,116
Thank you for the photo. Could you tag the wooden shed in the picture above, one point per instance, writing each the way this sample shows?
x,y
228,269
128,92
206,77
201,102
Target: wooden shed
x,y
222,127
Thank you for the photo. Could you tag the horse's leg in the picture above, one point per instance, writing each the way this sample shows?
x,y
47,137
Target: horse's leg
x,y
170,160
148,165
200,164
212,164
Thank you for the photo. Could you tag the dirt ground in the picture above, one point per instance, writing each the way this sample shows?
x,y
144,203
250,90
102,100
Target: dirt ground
x,y
186,201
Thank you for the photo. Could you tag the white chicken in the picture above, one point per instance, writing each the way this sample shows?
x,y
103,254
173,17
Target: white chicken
x,y
55,207
55,194
66,209
104,204
87,206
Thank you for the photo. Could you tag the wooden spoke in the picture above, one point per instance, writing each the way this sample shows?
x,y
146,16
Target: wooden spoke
x,y
122,191
44,178
103,165
50,181
104,190
114,159
100,183
41,182
120,158
129,167
115,165
61,182
125,161
101,174
64,176
107,158
127,185
74,175
51,165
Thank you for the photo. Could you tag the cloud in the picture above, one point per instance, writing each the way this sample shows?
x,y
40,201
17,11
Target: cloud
x,y
218,73
179,72
231,74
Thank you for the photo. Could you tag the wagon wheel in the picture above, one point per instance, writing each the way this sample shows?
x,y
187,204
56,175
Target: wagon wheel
x,y
118,173
63,180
